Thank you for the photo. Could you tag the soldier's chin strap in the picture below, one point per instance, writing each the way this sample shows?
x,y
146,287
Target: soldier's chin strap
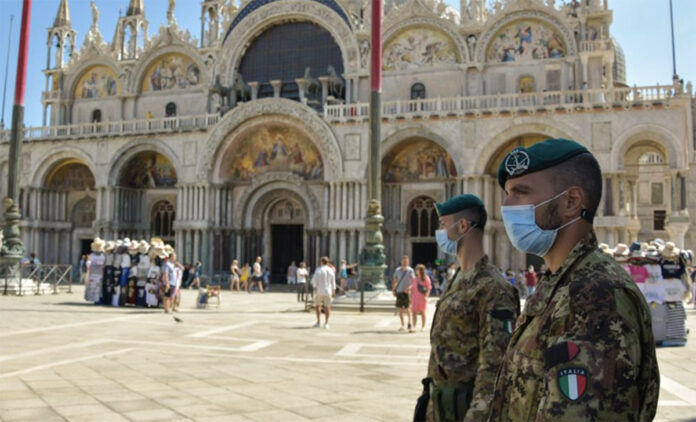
x,y
587,215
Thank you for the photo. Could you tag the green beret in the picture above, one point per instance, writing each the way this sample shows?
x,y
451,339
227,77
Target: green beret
x,y
458,203
540,156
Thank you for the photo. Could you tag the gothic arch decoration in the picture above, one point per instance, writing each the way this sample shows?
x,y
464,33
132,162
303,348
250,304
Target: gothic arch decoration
x,y
421,217
80,72
170,71
485,151
162,217
147,170
551,26
417,159
271,147
271,183
676,154
84,212
437,39
255,4
51,160
287,112
98,81
258,20
70,175
418,131
276,202
133,148
167,49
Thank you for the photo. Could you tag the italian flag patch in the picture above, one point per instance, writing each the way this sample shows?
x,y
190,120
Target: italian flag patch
x,y
509,325
572,382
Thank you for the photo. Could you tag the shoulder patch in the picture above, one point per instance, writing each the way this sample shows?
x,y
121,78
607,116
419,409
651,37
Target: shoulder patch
x,y
572,382
560,353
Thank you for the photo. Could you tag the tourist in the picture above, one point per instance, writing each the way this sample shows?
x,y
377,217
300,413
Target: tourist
x,y
244,277
419,295
401,289
178,274
84,266
168,281
302,275
530,280
256,276
234,275
291,275
343,277
324,283
197,274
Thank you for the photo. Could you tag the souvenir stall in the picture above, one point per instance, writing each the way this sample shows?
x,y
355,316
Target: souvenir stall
x,y
659,271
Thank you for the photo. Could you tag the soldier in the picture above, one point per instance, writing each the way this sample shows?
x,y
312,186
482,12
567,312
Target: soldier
x,y
583,348
473,320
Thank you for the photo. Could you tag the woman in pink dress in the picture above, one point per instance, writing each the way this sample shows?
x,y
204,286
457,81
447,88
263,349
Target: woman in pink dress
x,y
419,295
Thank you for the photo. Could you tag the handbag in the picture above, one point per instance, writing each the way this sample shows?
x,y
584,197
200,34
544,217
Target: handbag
x,y
422,288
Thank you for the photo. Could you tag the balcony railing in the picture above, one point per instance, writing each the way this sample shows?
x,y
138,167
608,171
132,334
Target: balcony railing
x,y
589,46
436,107
123,127
454,106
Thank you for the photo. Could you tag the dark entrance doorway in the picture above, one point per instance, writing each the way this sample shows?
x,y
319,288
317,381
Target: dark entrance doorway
x,y
287,246
85,247
423,253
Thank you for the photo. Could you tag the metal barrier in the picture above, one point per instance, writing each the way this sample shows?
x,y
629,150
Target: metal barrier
x,y
40,275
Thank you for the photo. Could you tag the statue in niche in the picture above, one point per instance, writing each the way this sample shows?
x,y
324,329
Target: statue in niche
x,y
364,53
471,44
95,14
336,84
313,85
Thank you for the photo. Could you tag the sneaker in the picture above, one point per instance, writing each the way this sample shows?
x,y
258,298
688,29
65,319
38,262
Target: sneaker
x,y
402,328
411,330
317,325
326,326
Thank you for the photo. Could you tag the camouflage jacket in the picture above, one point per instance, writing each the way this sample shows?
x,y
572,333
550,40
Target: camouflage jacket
x,y
471,328
583,349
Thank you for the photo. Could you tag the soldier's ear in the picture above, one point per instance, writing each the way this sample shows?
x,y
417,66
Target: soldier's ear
x,y
574,202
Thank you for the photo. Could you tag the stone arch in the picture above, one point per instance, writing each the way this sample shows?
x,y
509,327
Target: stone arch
x,y
675,153
486,151
83,212
259,20
294,113
433,23
75,75
269,183
135,147
51,159
146,62
552,19
418,131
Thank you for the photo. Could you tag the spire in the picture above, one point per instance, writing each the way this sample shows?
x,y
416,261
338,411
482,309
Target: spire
x,y
136,7
63,15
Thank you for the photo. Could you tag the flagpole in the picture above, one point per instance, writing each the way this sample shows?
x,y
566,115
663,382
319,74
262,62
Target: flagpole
x,y
7,70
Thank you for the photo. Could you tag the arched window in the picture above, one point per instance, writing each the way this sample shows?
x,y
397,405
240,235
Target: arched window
x,y
423,220
417,91
84,212
162,219
170,110
651,157
96,116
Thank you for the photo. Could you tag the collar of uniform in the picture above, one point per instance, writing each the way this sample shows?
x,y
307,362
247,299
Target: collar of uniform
x,y
547,284
467,276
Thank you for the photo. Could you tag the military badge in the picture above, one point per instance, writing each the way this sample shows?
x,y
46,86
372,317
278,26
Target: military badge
x,y
510,325
516,162
507,317
572,382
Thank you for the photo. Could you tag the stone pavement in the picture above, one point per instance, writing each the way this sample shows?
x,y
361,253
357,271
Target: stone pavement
x,y
253,359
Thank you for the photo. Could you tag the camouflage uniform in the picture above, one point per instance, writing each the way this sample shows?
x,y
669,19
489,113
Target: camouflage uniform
x,y
583,349
470,331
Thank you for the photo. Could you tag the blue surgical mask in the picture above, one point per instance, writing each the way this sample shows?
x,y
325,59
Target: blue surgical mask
x,y
447,245
523,231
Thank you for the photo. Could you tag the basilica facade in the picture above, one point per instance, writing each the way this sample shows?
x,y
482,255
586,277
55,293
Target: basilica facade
x,y
252,138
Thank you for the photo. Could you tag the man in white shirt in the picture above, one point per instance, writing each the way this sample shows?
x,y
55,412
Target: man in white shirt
x,y
257,275
302,274
324,283
292,273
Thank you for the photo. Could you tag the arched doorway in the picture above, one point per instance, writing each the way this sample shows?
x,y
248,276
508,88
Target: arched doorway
x,y
422,223
68,195
146,189
286,221
415,173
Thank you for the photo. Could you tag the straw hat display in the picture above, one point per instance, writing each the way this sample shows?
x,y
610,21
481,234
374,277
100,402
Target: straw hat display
x,y
670,251
110,245
97,245
652,252
133,247
143,247
621,250
606,249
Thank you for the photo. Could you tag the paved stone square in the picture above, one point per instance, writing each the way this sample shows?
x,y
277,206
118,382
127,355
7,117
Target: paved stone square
x,y
255,358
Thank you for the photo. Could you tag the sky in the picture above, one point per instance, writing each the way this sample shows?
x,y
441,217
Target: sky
x,y
641,26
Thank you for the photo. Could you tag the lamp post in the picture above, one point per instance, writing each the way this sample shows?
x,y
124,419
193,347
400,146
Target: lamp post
x,y
372,257
12,249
